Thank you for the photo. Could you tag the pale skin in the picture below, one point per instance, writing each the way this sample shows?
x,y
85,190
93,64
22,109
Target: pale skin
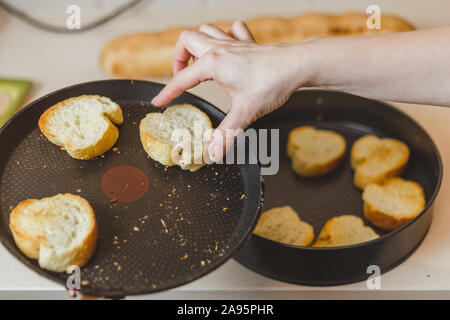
x,y
409,67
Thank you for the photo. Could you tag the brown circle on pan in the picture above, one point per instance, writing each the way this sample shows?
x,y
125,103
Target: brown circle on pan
x,y
125,183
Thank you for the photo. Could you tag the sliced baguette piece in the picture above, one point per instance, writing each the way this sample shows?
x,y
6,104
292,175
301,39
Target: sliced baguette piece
x,y
158,137
375,159
392,203
343,231
82,125
284,225
59,231
315,152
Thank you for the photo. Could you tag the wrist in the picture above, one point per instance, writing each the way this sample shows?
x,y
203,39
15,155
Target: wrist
x,y
304,62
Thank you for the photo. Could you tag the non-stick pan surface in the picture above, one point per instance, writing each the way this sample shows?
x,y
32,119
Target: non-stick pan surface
x,y
318,199
185,226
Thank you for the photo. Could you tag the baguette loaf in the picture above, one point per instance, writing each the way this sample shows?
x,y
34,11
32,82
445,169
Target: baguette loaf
x,y
375,159
343,231
315,152
143,55
82,125
59,231
160,141
283,225
392,203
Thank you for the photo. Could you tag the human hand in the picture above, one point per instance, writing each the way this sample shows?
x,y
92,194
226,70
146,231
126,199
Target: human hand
x,y
257,78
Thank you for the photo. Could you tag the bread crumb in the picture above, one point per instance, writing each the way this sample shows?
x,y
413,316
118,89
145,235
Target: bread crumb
x,y
184,257
84,283
225,209
243,196
136,229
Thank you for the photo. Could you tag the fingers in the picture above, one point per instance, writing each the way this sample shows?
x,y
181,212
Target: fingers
x,y
189,44
240,31
225,134
214,32
183,80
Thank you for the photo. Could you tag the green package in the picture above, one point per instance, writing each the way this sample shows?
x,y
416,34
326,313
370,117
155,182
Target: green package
x,y
12,93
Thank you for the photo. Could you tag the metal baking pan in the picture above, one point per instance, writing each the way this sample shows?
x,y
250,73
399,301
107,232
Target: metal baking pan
x,y
178,232
319,199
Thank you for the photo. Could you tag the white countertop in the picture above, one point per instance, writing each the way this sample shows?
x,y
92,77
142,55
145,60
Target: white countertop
x,y
54,61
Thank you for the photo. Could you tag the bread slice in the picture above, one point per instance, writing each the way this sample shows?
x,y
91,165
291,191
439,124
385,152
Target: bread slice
x,y
392,203
59,231
82,125
284,225
159,136
315,152
375,159
343,231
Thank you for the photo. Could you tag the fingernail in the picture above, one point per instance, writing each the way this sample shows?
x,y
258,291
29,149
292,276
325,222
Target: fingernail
x,y
155,99
216,152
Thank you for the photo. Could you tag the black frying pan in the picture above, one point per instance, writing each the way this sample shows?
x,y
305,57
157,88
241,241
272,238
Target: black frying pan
x,y
319,199
201,234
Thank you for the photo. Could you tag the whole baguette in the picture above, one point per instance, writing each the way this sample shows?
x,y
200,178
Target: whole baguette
x,y
143,55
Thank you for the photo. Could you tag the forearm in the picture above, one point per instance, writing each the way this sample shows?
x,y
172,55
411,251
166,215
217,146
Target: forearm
x,y
409,67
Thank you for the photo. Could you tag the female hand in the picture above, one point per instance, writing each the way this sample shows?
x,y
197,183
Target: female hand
x,y
257,78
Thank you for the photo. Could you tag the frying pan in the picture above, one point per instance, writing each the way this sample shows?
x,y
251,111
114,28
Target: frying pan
x,y
185,226
318,199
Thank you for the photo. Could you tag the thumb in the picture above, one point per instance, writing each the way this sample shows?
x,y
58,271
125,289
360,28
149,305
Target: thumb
x,y
225,134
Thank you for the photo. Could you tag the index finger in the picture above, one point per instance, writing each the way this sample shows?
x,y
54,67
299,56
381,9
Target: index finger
x,y
189,44
185,79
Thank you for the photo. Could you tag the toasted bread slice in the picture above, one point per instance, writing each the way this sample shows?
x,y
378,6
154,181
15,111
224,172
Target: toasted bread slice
x,y
343,231
315,152
82,125
375,159
178,136
392,203
284,225
59,231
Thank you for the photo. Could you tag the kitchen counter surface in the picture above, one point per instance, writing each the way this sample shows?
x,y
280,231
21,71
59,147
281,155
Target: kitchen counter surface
x,y
54,61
